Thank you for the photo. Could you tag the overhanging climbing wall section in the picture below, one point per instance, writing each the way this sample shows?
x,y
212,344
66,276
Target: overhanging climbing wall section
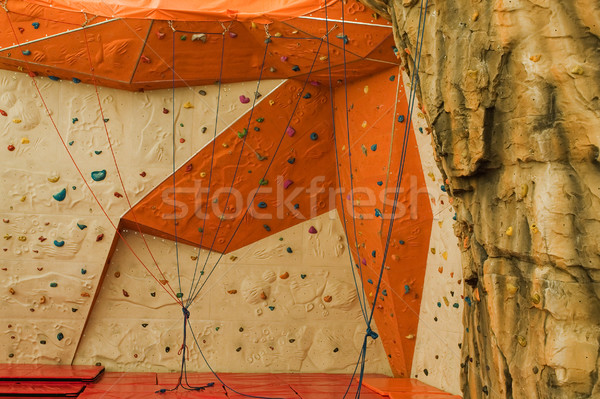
x,y
370,149
278,151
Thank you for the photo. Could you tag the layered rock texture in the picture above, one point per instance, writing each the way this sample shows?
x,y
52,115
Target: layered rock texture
x,y
511,90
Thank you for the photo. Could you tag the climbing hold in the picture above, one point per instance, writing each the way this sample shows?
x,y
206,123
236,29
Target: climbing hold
x,y
260,120
81,226
263,296
232,292
384,292
11,147
364,124
98,152
366,89
26,52
263,182
522,340
455,305
295,68
287,183
188,105
392,78
24,140
60,336
303,276
535,298
60,196
314,136
244,99
509,231
179,295
284,276
125,294
290,161
370,281
401,119
406,289
535,58
373,253
243,133
377,213
290,131
327,298
343,37
16,120
99,175
312,230
83,271
54,78
262,204
271,308
289,250
35,25
202,92
59,243
53,285
199,37
75,80
296,206
267,227
99,237
468,300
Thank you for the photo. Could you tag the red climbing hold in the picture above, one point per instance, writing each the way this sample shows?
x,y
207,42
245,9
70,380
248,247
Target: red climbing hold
x,y
11,147
182,140
125,294
143,174
99,237
189,168
160,35
3,112
165,111
145,59
118,195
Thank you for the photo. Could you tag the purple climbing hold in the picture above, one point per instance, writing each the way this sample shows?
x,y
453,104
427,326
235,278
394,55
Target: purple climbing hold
x,y
283,58
290,131
232,35
287,183
312,230
244,99
363,261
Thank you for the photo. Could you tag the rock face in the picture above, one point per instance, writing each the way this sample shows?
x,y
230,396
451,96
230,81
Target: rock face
x,y
511,90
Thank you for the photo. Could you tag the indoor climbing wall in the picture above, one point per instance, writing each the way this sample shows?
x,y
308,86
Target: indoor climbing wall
x,y
285,303
56,237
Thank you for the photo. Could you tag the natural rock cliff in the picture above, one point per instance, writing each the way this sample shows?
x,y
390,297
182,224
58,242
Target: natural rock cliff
x,y
511,90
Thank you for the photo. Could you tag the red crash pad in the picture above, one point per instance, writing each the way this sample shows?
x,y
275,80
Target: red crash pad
x,y
18,389
46,372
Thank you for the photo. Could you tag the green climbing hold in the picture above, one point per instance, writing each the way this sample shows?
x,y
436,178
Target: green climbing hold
x,y
59,243
260,120
179,295
81,226
53,285
60,336
263,182
99,175
303,276
243,133
83,271
60,196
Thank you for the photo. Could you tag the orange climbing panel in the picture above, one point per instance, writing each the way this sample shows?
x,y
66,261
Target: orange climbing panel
x,y
377,118
135,53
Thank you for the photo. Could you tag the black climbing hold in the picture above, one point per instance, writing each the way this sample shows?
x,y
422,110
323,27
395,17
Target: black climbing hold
x,y
144,325
426,372
289,250
295,68
239,348
167,349
202,92
292,340
153,294
335,350
60,336
43,342
73,310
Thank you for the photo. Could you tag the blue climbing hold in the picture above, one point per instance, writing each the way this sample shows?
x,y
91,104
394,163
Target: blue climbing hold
x,y
83,271
296,206
392,78
291,160
295,68
105,120
60,196
55,78
443,187
374,147
374,253
406,289
307,96
59,243
314,136
400,118
380,183
74,120
53,285
468,300
421,130
454,217
35,25
289,250
97,152
455,305
384,292
271,308
26,52
60,336
75,80
256,129
370,281
303,276
439,304
262,204
81,226
401,242
266,226
377,213
99,175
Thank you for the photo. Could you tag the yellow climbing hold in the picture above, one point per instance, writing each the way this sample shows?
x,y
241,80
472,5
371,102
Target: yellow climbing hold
x,y
475,16
366,89
7,236
271,102
410,336
446,301
16,120
577,70
522,341
202,174
511,288
431,176
253,25
323,58
535,58
23,198
432,250
24,140
364,124
445,254
524,190
441,223
509,231
534,228
188,105
277,34
22,238
225,145
535,298
54,179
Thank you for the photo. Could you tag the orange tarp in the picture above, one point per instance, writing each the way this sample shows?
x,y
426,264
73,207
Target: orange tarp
x,y
191,10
